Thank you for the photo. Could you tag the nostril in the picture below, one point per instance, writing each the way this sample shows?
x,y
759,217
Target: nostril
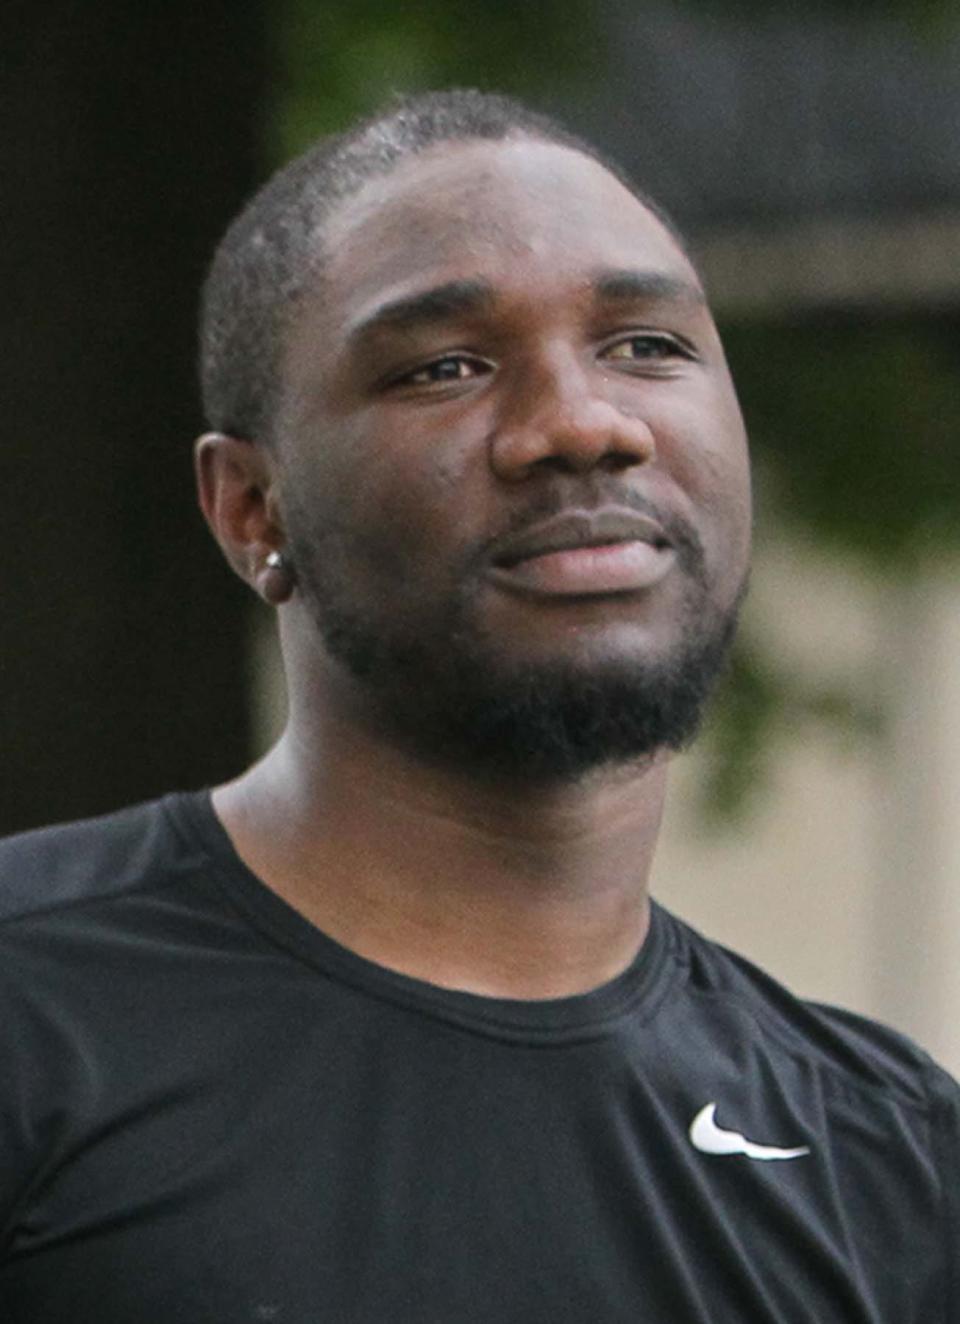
x,y
616,461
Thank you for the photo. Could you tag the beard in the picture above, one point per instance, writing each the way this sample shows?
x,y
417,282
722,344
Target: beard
x,y
446,691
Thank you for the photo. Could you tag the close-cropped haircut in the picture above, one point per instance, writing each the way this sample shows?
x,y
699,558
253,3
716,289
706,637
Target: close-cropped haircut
x,y
270,254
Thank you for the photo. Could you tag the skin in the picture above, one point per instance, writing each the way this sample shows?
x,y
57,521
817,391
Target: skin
x,y
421,437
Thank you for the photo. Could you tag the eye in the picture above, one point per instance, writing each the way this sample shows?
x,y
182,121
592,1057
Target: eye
x,y
449,368
647,347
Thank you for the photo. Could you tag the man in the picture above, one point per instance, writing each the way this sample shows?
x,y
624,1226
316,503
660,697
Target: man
x,y
388,1029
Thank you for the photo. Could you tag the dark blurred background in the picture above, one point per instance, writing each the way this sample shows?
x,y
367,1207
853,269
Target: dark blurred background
x,y
812,156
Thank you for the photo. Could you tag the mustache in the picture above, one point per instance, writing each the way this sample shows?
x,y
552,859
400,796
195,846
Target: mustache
x,y
552,502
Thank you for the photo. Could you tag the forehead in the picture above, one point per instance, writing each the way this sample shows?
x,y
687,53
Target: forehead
x,y
500,211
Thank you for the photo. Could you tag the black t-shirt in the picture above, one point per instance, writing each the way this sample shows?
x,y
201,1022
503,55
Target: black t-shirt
x,y
211,1112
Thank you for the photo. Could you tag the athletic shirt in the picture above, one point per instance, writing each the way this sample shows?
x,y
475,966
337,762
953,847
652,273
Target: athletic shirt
x,y
211,1112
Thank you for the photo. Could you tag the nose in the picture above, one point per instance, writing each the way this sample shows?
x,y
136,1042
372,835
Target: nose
x,y
564,418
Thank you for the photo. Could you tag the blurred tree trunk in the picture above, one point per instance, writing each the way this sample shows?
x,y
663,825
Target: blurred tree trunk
x,y
130,134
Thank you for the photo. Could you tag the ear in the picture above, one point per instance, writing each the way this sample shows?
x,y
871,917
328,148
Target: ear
x,y
236,486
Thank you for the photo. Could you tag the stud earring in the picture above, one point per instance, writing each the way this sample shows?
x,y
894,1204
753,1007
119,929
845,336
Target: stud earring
x,y
276,580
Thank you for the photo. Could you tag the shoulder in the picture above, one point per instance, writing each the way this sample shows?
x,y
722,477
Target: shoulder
x,y
56,868
859,1054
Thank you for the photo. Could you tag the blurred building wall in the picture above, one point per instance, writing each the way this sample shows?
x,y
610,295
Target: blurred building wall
x,y
842,878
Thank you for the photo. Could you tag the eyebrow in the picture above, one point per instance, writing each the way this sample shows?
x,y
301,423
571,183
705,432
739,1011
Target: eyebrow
x,y
440,303
629,285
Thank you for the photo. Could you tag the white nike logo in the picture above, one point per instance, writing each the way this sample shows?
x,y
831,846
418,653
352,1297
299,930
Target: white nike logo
x,y
709,1138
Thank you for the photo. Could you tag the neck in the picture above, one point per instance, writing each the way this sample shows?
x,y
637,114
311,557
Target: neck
x,y
502,890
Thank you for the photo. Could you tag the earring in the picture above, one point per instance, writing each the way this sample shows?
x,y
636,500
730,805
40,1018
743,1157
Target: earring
x,y
276,580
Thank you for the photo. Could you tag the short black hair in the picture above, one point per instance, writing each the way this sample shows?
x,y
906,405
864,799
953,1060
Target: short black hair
x,y
269,254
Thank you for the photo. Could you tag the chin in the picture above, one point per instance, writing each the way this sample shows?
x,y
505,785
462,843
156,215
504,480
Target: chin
x,y
595,648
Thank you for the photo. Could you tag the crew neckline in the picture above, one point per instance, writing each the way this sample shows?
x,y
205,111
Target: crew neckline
x,y
635,993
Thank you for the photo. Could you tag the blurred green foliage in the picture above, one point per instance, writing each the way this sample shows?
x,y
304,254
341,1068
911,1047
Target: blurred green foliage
x,y
855,430
855,422
758,703
343,58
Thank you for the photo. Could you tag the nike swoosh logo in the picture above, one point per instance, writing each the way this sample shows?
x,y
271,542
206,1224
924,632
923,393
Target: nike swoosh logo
x,y
710,1138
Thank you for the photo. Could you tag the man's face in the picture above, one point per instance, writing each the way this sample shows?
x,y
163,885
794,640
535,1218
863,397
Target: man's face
x,y
513,468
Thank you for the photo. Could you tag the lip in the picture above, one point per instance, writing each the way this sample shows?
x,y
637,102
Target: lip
x,y
584,553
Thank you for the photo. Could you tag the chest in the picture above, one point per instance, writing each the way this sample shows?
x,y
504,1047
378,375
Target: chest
x,y
352,1161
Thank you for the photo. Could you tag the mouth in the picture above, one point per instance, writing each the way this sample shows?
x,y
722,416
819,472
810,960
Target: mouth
x,y
585,553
